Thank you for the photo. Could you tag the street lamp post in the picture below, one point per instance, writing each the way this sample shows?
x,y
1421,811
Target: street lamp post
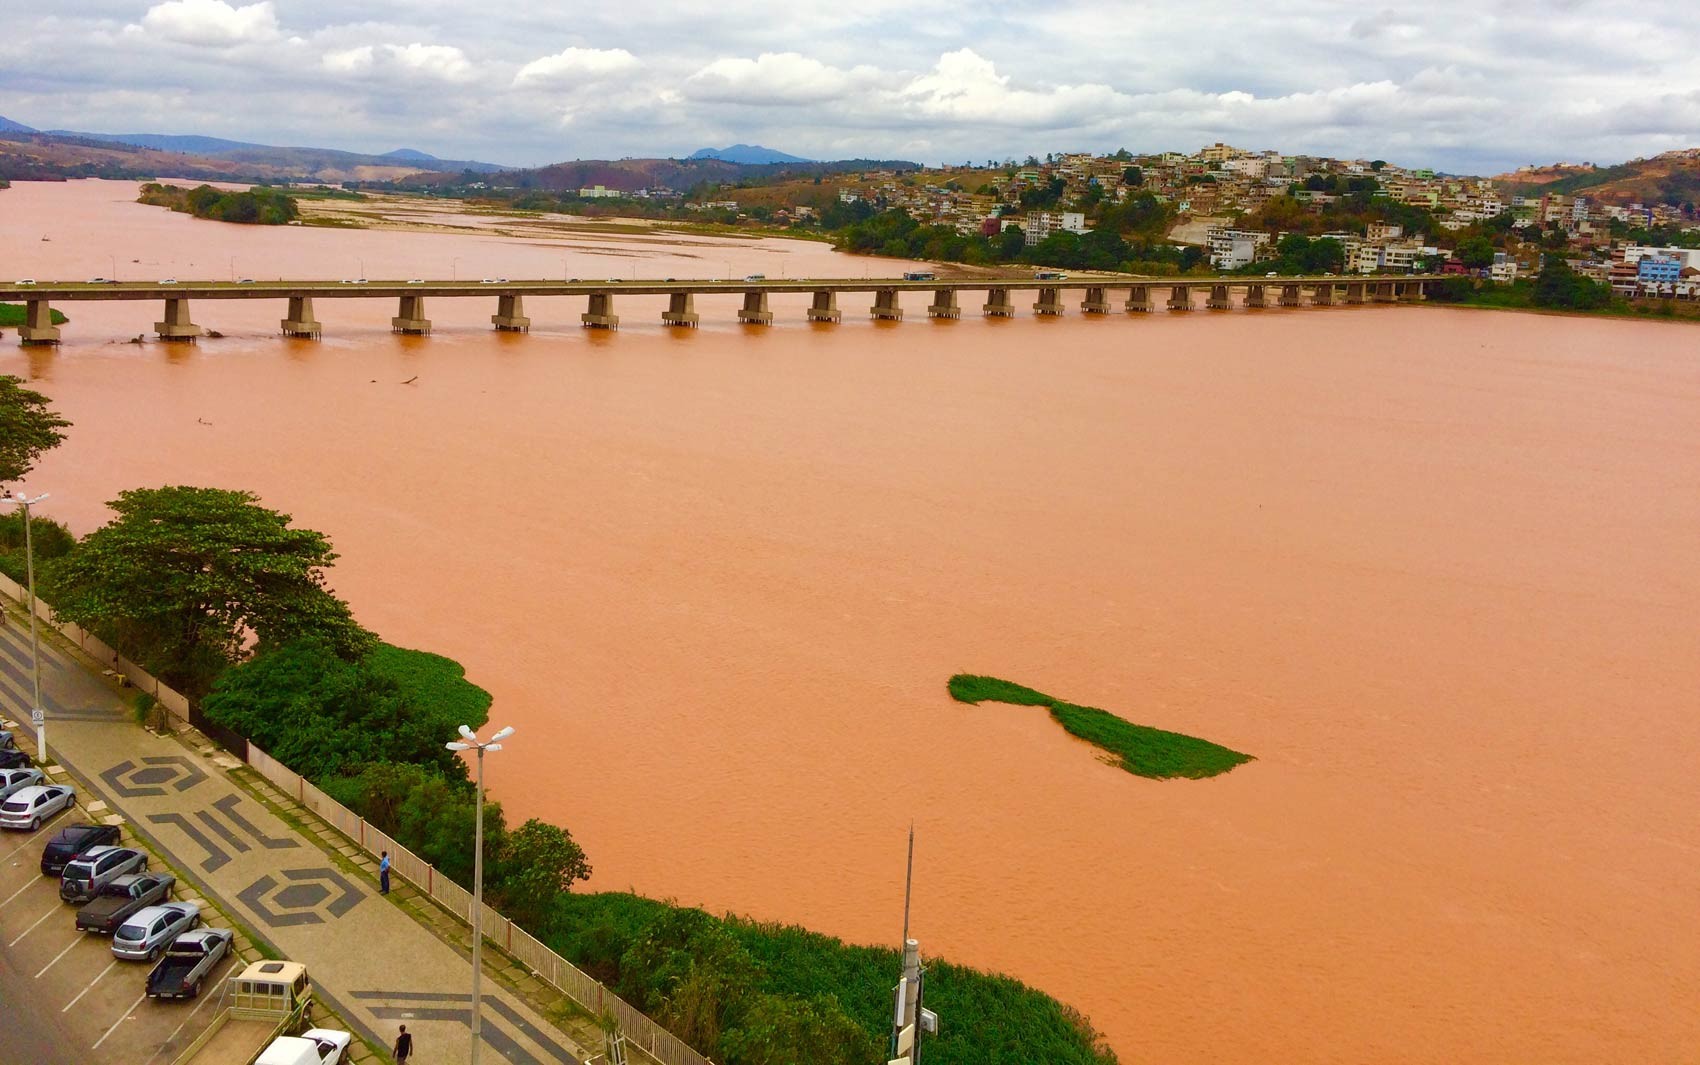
x,y
469,742
38,716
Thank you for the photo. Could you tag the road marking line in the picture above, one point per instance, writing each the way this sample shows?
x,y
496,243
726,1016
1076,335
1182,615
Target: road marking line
x,y
61,954
22,845
143,997
90,986
32,927
200,1000
18,892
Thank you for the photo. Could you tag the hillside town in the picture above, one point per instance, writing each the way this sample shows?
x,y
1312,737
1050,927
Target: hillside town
x,y
1236,206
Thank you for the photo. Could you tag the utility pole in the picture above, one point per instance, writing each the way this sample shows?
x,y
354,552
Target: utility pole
x,y
469,742
909,1017
38,716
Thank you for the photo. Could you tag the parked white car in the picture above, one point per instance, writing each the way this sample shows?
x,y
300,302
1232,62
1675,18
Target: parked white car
x,y
31,806
145,935
16,780
315,1046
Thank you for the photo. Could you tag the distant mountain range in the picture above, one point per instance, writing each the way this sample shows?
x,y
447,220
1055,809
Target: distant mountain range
x,y
747,153
1671,177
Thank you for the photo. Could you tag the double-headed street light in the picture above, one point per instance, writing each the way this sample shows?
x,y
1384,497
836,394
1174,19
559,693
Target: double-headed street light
x,y
38,716
469,741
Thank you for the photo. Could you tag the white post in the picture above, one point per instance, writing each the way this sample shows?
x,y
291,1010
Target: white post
x,y
37,713
477,905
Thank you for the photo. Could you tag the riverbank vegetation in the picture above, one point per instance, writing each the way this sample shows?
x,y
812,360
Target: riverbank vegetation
x,y
14,315
28,427
1139,749
258,206
227,598
1556,287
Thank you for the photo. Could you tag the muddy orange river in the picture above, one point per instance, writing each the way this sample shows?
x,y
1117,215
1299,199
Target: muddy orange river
x,y
1438,570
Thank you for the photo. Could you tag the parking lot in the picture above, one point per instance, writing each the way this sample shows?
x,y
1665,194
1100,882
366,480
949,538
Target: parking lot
x,y
68,999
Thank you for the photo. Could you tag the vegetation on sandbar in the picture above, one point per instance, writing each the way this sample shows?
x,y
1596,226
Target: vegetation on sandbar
x,y
14,315
1139,749
258,206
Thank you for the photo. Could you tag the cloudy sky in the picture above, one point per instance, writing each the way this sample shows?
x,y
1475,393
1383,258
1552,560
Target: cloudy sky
x,y
1475,86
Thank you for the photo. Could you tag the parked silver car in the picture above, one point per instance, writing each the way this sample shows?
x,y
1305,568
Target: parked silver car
x,y
30,806
95,868
145,936
14,780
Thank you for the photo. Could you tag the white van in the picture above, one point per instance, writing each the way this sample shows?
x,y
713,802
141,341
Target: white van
x,y
316,1046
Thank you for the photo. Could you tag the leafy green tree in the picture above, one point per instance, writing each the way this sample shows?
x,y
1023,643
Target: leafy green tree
x,y
539,862
426,812
787,1029
1133,176
27,428
49,539
1475,252
1010,243
1559,286
188,580
688,970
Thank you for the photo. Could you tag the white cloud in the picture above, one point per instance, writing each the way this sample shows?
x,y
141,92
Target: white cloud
x,y
407,61
963,87
349,60
211,22
575,66
784,78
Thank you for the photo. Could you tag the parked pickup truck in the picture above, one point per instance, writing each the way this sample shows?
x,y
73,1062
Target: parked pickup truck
x,y
121,898
189,960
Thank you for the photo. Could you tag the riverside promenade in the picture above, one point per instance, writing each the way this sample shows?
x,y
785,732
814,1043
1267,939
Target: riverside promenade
x,y
291,881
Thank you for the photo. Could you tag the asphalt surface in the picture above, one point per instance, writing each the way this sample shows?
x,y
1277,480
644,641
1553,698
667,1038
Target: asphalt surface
x,y
29,1033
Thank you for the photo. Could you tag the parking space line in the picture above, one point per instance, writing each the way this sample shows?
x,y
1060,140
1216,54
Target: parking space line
x,y
18,892
143,997
200,1000
90,987
38,921
61,954
25,843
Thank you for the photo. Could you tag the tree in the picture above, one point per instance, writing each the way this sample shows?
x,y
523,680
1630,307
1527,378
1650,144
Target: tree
x,y
1377,164
27,428
1133,175
539,862
188,580
1559,286
1475,252
784,1029
688,970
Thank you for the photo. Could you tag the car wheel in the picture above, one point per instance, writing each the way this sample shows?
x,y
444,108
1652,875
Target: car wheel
x,y
35,824
153,955
143,867
195,992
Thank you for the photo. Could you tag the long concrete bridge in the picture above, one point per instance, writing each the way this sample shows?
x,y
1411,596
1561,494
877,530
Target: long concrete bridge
x,y
1099,294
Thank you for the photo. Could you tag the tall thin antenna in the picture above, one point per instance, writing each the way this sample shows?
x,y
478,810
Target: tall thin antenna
x,y
908,882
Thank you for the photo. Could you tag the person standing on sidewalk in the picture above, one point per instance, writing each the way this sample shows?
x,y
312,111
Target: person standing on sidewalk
x,y
384,885
403,1046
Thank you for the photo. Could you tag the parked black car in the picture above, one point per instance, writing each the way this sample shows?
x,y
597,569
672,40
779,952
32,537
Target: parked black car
x,y
123,897
12,758
71,841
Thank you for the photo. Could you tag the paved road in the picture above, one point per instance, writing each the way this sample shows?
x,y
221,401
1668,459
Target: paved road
x,y
370,961
28,1032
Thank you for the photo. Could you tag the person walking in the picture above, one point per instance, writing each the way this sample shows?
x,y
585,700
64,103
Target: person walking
x,y
403,1046
384,883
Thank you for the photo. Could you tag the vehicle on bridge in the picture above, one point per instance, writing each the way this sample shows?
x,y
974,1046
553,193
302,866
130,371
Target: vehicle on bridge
x,y
188,961
315,1046
920,275
95,868
73,841
28,808
123,898
149,931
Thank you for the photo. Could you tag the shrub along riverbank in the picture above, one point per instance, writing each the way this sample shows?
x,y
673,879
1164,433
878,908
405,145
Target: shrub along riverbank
x,y
227,600
1139,749
14,315
258,206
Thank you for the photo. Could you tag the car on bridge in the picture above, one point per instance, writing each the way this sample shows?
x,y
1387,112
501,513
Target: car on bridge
x,y
97,867
148,932
28,808
122,898
15,780
72,842
188,961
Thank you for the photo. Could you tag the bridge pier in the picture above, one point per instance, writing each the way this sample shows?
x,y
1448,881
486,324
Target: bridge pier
x,y
1354,292
1322,295
1139,300
1049,303
600,312
410,317
1383,292
38,327
1219,299
944,304
681,310
1254,297
1180,298
1095,302
1411,291
177,325
1291,296
300,321
885,306
824,308
998,304
754,311
510,314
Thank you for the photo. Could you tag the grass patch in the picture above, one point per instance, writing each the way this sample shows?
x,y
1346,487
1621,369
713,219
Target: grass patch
x,y
1140,749
13,314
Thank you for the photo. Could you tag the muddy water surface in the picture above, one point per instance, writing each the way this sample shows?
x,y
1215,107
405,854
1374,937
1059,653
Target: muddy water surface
x,y
1438,570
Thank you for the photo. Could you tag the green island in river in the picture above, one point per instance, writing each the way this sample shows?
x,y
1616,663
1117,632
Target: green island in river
x,y
1140,749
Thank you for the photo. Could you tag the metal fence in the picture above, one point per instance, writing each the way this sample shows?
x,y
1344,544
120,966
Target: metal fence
x,y
549,967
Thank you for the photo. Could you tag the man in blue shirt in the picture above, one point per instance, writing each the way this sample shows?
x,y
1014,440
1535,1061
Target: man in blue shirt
x,y
384,873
